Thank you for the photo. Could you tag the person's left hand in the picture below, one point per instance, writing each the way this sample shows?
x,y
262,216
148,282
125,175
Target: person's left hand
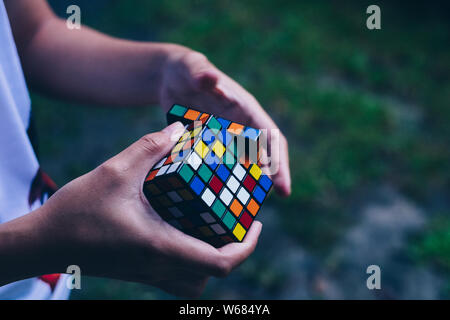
x,y
190,79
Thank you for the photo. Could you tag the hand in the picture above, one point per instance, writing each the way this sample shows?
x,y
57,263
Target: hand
x,y
102,222
190,79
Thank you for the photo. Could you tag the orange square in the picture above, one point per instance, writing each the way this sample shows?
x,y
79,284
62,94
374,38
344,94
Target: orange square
x,y
151,175
235,128
192,114
236,208
253,207
203,117
189,144
245,161
170,159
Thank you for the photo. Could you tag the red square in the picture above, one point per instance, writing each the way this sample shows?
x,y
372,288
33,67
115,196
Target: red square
x,y
216,184
249,183
226,239
246,220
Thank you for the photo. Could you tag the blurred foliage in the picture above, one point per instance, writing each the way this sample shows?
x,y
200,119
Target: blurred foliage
x,y
433,246
358,107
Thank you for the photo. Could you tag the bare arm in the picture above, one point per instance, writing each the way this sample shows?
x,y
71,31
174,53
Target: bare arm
x,y
103,223
85,65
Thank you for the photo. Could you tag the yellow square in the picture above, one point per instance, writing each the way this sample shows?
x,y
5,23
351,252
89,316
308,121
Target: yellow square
x,y
218,149
201,149
195,131
178,147
255,171
185,135
239,231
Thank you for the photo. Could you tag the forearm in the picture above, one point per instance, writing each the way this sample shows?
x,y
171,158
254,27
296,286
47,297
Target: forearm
x,y
26,250
87,66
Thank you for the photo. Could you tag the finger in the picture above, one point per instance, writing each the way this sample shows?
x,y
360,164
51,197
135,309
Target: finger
x,y
282,179
278,162
193,253
199,72
138,158
276,144
235,253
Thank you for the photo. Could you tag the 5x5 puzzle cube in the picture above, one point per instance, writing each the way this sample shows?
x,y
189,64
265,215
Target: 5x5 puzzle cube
x,y
209,186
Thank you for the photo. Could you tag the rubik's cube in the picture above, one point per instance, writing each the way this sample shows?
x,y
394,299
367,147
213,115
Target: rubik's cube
x,y
209,185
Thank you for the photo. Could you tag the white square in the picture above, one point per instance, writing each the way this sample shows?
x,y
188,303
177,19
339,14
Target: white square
x,y
239,171
163,170
160,163
217,228
243,195
174,196
233,184
173,167
207,217
226,196
194,160
208,196
175,212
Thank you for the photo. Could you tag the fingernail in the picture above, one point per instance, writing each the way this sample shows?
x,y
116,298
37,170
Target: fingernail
x,y
174,131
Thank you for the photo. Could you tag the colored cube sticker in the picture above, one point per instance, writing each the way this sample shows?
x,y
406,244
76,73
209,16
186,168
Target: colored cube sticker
x,y
202,186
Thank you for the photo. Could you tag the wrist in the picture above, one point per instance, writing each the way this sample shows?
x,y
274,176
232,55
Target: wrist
x,y
25,248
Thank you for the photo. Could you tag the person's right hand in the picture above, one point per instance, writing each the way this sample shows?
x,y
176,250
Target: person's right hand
x,y
103,223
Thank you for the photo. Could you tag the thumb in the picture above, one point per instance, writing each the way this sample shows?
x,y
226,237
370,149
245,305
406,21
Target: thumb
x,y
142,155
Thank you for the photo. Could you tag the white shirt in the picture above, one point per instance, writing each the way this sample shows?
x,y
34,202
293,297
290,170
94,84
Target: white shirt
x,y
18,162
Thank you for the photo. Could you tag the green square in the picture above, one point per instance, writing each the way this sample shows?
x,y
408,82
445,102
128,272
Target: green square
x,y
204,173
178,110
186,173
232,148
218,208
229,220
214,124
229,160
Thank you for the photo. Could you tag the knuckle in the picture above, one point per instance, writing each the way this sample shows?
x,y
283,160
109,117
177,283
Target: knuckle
x,y
154,143
111,170
196,56
223,268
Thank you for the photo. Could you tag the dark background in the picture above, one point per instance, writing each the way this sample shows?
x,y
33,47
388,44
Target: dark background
x,y
367,117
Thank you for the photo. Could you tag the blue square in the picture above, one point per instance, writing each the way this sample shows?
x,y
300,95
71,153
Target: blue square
x,y
265,182
259,194
208,136
181,155
225,137
251,133
223,172
212,160
197,185
224,122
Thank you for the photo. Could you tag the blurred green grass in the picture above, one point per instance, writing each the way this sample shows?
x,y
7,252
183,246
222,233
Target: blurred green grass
x,y
358,107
